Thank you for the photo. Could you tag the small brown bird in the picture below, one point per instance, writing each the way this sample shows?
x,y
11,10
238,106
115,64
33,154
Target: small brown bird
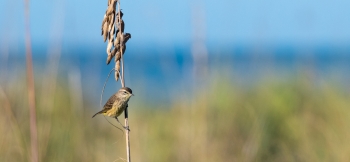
x,y
117,103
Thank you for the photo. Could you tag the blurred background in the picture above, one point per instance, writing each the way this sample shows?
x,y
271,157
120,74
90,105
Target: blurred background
x,y
228,80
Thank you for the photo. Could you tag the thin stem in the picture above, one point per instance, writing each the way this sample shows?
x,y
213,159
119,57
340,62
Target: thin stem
x,y
30,85
121,50
123,85
127,134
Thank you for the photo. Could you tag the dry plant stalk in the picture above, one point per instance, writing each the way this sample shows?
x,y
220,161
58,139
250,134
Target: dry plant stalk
x,y
116,47
31,90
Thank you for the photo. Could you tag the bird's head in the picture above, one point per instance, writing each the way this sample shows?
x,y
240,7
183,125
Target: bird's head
x,y
126,92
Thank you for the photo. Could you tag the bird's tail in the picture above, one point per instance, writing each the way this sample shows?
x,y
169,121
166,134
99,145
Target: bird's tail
x,y
97,113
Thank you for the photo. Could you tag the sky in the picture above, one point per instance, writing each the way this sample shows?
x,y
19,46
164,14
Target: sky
x,y
175,22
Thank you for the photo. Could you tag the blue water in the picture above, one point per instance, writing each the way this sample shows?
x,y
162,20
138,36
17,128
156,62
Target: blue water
x,y
158,73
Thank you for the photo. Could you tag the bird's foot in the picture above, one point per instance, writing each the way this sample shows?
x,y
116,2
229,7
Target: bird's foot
x,y
126,128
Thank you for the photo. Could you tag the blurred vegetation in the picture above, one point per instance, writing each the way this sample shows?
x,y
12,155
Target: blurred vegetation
x,y
274,120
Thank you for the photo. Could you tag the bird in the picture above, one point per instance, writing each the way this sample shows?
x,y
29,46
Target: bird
x,y
116,104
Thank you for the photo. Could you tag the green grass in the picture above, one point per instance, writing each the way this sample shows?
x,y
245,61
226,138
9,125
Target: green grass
x,y
270,121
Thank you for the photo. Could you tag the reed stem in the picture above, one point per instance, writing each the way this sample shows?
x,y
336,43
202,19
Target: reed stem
x,y
126,115
30,86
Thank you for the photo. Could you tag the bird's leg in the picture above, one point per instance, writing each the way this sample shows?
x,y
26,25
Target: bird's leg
x,y
126,128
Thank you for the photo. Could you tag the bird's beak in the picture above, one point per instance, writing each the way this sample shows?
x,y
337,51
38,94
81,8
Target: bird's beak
x,y
132,95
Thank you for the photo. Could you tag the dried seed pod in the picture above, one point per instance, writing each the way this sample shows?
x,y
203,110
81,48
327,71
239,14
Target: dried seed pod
x,y
109,46
117,55
127,36
122,22
121,39
103,21
111,25
117,70
116,44
116,49
110,54
123,46
122,25
105,31
120,45
121,15
108,19
111,8
109,58
114,52
112,31
117,39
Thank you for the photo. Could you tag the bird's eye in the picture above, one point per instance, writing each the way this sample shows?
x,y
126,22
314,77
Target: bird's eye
x,y
124,92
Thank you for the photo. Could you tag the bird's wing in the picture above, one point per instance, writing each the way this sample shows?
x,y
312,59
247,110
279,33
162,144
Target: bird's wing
x,y
110,102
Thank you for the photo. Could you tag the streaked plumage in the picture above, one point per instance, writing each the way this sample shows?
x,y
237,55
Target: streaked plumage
x,y
117,103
